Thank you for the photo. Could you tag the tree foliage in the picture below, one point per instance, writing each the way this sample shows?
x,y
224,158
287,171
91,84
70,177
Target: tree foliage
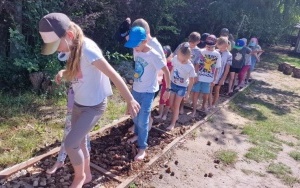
x,y
170,20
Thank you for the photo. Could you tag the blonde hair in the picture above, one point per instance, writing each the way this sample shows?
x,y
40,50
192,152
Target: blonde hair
x,y
73,62
222,40
185,50
194,37
142,23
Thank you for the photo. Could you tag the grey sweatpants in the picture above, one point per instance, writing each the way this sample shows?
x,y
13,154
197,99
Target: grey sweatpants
x,y
83,120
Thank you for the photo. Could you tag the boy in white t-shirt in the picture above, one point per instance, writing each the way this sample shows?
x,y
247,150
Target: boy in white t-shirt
x,y
182,78
155,44
147,63
210,62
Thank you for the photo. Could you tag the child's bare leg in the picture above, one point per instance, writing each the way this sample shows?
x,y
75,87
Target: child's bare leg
x,y
195,101
160,111
231,81
56,166
181,111
210,97
165,113
205,99
177,102
216,95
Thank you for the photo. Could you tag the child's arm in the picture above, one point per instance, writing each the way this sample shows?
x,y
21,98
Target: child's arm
x,y
59,76
132,105
215,76
190,86
168,82
226,71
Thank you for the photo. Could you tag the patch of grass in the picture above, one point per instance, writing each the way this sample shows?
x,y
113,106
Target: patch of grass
x,y
227,156
248,172
295,155
282,172
29,122
264,107
194,134
260,154
211,119
132,185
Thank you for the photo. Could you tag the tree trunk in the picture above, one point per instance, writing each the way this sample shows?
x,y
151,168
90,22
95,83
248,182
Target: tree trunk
x,y
17,19
36,79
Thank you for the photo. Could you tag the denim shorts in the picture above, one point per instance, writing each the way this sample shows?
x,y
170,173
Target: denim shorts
x,y
201,87
178,90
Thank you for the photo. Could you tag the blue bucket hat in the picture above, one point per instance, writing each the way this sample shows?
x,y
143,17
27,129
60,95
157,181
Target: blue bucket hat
x,y
136,36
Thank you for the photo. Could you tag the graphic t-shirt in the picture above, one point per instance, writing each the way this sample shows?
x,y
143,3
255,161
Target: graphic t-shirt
x,y
155,44
239,56
226,59
195,56
209,62
147,64
91,86
182,72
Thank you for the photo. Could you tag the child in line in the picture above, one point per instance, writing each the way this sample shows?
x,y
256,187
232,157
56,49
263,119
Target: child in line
x,y
182,80
147,63
202,40
61,157
243,73
164,106
155,44
226,61
89,72
210,62
193,40
255,55
238,61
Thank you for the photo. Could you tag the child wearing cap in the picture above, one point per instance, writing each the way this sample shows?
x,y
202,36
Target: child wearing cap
x,y
89,73
193,41
238,61
147,63
164,106
226,61
210,62
182,80
155,44
202,40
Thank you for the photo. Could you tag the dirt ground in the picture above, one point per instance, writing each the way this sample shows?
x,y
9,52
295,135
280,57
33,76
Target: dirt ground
x,y
195,158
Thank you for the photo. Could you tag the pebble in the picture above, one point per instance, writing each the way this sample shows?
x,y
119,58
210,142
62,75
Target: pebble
x,y
168,170
35,183
43,182
208,143
62,180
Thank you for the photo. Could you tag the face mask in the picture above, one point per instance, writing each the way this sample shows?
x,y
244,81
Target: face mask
x,y
63,56
252,43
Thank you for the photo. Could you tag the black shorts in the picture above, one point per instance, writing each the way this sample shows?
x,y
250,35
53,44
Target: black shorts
x,y
236,70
